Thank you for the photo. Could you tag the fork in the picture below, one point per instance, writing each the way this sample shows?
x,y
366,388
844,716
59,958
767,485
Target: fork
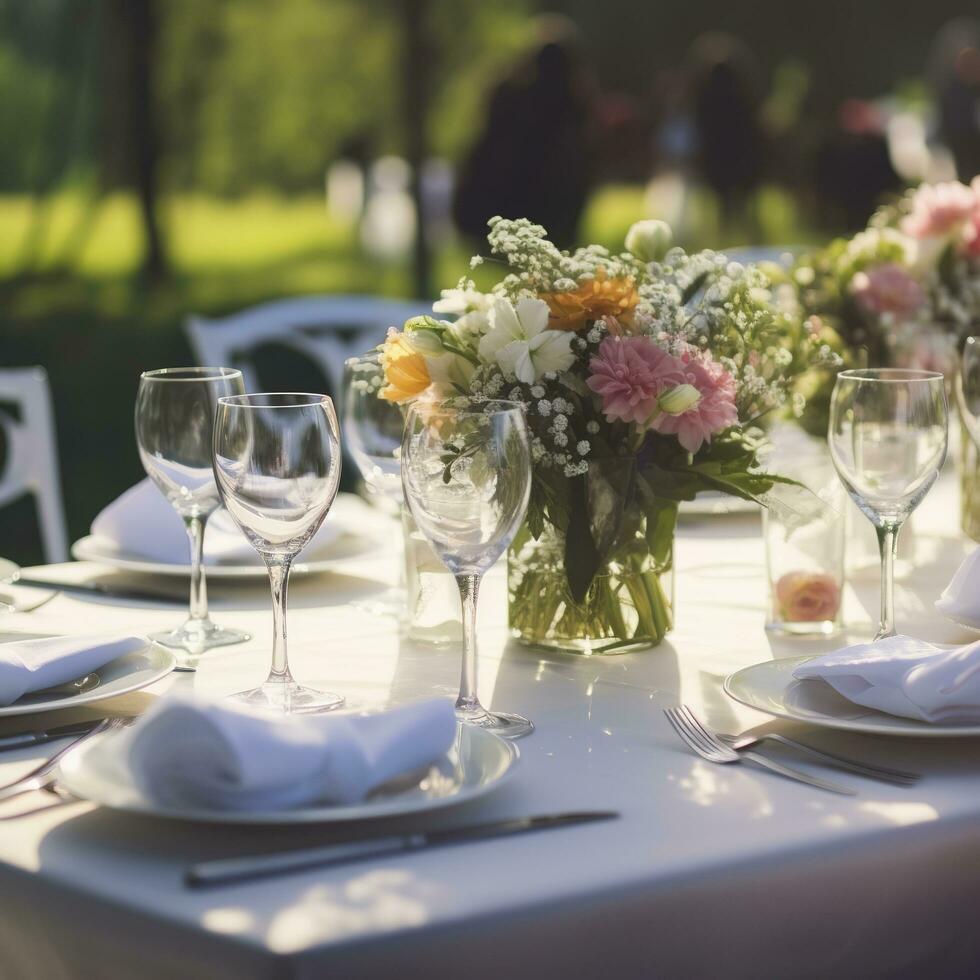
x,y
43,777
707,745
897,776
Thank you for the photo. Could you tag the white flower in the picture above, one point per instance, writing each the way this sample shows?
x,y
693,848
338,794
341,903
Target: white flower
x,y
456,302
649,240
521,343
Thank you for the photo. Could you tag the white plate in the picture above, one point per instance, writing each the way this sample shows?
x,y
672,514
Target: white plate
x,y
344,550
716,505
120,676
476,765
771,687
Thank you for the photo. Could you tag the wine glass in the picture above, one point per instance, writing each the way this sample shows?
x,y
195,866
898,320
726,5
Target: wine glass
x,y
888,433
277,464
174,425
967,387
467,479
373,435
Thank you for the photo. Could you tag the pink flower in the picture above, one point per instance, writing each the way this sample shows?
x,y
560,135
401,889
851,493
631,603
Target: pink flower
x,y
713,413
971,233
807,597
939,210
887,288
630,374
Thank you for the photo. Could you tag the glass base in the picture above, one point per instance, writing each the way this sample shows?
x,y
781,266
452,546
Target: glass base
x,y
288,697
504,725
819,627
197,636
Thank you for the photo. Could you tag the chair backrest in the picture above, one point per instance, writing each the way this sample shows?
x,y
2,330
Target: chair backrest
x,y
326,329
777,254
32,454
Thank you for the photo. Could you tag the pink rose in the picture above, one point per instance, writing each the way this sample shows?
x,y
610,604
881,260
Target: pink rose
x,y
939,210
971,233
714,412
887,288
629,374
807,597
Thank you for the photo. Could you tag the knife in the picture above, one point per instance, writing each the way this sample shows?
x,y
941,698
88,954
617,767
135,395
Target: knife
x,y
21,739
97,589
228,870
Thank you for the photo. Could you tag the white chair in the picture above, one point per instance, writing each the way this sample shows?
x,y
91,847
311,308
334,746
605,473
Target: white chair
x,y
32,456
326,329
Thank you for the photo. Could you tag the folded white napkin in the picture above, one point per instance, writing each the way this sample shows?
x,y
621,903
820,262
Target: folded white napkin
x,y
32,665
904,676
961,598
142,522
202,753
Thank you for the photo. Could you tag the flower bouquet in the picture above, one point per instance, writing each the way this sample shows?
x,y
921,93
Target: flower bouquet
x,y
906,287
905,292
643,375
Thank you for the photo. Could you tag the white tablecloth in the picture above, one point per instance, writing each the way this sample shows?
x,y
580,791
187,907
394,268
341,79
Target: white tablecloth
x,y
710,871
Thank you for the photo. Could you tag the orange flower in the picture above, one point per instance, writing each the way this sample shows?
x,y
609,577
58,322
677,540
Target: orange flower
x,y
592,300
405,369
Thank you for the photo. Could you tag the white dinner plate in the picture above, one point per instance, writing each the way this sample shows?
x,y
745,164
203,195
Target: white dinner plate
x,y
771,687
123,675
342,551
477,764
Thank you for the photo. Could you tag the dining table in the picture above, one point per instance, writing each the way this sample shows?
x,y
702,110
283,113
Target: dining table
x,y
708,870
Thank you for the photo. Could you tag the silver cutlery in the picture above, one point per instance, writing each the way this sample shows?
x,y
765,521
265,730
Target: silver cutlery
x,y
100,590
43,777
22,739
883,773
707,745
229,870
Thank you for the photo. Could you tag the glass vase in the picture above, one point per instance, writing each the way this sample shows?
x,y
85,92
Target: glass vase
x,y
969,485
432,610
629,604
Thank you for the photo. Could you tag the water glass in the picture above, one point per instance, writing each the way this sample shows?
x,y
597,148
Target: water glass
x,y
277,463
467,479
888,436
174,418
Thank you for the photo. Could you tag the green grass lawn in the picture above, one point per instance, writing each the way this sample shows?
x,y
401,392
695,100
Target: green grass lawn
x,y
81,311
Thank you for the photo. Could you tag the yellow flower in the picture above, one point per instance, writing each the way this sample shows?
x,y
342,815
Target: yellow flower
x,y
597,298
405,369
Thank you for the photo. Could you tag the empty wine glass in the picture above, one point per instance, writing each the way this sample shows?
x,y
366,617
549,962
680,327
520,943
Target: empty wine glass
x,y
467,479
967,387
888,434
174,425
277,463
373,435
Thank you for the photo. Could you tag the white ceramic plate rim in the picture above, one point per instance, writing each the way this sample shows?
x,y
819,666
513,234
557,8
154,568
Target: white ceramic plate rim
x,y
390,806
90,548
881,725
160,662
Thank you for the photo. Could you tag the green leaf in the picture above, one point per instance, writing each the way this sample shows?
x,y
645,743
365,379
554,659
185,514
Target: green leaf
x,y
694,288
581,556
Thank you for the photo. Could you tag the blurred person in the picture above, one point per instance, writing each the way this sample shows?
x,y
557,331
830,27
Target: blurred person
x,y
854,170
725,104
534,156
955,74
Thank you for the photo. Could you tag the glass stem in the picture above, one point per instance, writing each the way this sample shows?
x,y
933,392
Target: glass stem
x,y
887,543
469,590
279,581
199,585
